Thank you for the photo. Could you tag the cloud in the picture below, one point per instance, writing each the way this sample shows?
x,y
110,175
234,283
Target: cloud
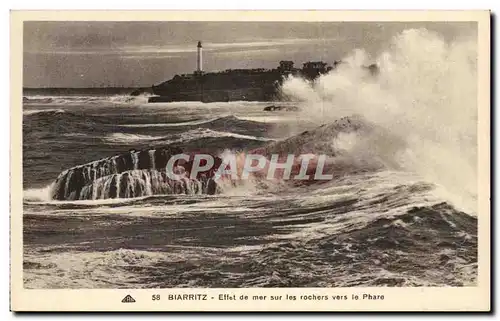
x,y
251,52
139,57
158,49
265,43
178,49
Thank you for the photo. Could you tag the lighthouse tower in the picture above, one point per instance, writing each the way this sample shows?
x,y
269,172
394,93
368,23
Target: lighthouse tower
x,y
199,61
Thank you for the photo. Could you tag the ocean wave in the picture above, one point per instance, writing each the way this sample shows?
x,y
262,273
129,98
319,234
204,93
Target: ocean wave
x,y
274,119
130,138
336,245
227,121
342,141
76,135
73,277
179,124
54,114
41,197
415,98
38,194
66,121
205,132
107,173
232,105
84,100
41,111
60,122
178,138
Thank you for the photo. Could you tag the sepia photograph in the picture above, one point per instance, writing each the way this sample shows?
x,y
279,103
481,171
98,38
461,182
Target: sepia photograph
x,y
250,154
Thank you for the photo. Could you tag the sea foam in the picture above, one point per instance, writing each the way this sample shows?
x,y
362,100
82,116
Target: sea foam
x,y
425,94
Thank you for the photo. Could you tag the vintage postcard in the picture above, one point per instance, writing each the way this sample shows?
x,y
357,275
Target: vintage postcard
x,y
250,161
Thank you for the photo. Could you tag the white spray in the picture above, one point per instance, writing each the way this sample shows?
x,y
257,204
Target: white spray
x,y
425,94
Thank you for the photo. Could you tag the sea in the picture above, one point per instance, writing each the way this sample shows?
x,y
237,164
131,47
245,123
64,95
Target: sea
x,y
398,211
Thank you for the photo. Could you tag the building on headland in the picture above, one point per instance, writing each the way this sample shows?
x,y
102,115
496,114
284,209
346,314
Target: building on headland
x,y
256,84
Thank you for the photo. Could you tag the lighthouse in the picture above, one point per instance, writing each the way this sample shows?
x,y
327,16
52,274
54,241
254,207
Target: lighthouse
x,y
199,63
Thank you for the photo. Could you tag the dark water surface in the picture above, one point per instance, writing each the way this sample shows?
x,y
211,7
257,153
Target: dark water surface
x,y
365,228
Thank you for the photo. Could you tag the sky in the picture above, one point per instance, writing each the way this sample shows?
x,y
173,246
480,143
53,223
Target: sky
x,y
140,54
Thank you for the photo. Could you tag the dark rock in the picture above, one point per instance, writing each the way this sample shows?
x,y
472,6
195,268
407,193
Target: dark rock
x,y
129,175
285,108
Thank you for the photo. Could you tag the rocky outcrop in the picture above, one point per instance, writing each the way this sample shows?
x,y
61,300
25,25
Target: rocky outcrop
x,y
318,140
133,174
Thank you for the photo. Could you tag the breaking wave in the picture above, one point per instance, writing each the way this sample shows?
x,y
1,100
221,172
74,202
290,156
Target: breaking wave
x,y
225,121
87,99
40,111
38,194
425,97
130,138
178,138
142,173
59,120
